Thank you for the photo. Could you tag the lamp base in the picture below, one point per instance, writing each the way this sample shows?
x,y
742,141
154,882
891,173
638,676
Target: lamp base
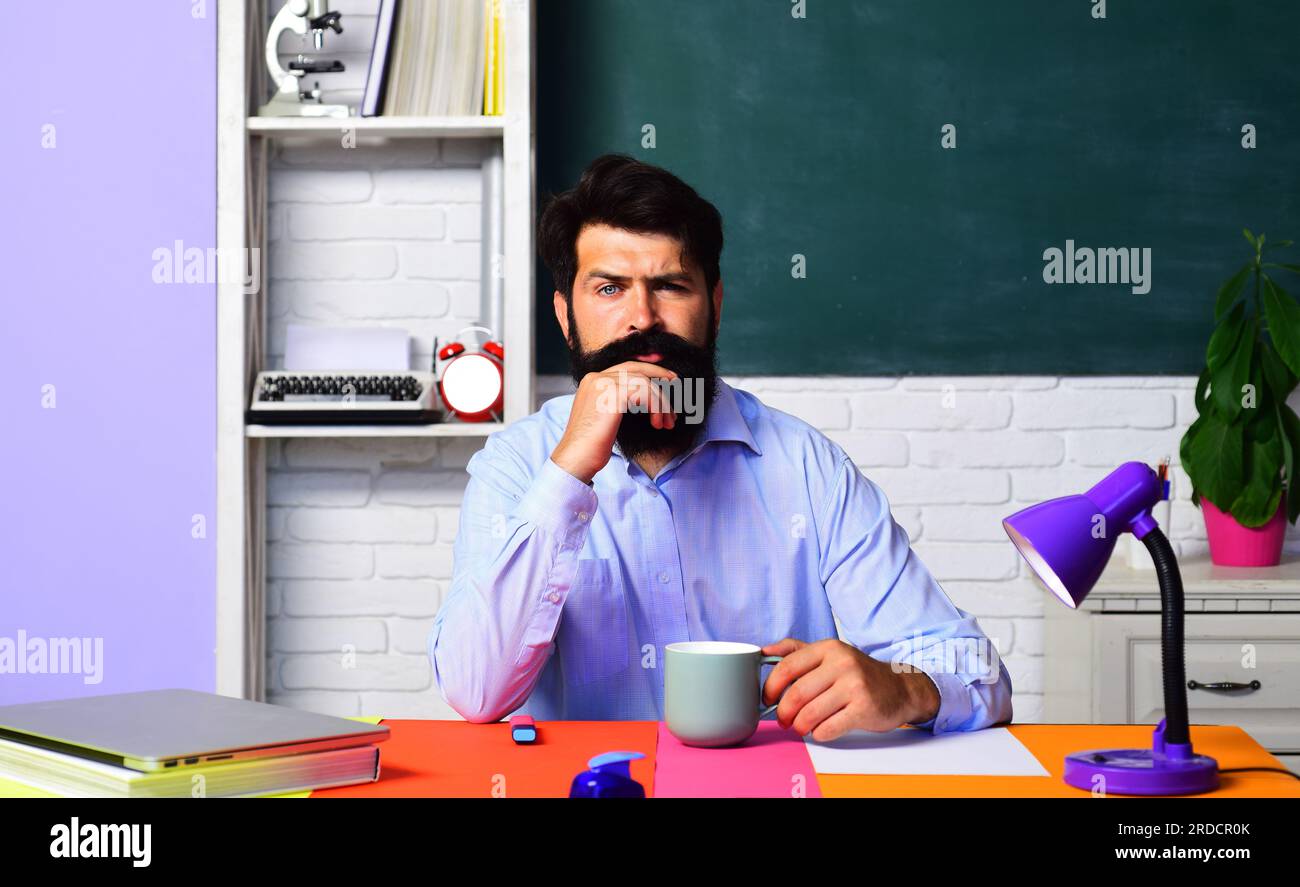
x,y
1166,768
1140,771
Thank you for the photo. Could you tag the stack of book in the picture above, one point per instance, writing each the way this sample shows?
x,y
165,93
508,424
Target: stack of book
x,y
71,776
179,743
436,58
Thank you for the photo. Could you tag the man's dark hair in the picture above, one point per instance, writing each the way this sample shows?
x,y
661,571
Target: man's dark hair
x,y
623,192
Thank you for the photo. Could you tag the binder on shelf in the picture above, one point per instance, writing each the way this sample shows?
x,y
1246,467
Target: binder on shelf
x,y
377,74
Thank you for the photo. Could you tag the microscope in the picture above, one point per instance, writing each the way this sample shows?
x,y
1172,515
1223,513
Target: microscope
x,y
290,99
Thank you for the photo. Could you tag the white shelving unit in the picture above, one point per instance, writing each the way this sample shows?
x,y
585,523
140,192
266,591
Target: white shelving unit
x,y
447,429
387,127
243,146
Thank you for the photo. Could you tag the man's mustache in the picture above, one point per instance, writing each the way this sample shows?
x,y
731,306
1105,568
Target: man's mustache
x,y
669,346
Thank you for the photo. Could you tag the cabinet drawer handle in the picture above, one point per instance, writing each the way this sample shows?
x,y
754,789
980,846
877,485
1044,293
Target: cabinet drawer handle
x,y
1223,685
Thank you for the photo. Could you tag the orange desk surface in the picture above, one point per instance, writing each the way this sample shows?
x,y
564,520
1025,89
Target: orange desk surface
x,y
458,759
455,759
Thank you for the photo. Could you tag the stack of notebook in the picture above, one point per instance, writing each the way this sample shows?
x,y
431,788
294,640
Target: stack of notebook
x,y
180,743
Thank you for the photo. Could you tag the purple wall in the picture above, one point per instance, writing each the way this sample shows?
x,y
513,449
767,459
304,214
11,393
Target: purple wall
x,y
99,493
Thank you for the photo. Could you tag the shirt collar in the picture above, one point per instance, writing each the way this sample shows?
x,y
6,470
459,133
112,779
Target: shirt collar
x,y
723,422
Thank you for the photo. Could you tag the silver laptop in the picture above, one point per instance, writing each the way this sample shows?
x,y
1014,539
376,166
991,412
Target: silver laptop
x,y
162,729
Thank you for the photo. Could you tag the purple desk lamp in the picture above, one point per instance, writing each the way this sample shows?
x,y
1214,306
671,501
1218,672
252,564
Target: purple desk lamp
x,y
1067,542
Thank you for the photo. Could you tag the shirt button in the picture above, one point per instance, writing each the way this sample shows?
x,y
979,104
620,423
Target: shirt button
x,y
554,597
663,577
653,491
582,516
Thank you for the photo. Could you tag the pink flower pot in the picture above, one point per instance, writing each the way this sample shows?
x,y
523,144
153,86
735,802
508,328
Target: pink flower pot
x,y
1232,545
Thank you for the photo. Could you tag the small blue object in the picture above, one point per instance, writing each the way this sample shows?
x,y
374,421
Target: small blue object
x,y
522,729
609,776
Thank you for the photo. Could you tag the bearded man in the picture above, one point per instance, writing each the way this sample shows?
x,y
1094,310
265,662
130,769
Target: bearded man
x,y
626,516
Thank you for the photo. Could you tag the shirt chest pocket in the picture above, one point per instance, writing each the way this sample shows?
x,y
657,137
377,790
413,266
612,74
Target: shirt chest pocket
x,y
593,635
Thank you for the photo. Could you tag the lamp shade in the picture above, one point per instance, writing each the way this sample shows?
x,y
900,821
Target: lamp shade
x,y
1068,541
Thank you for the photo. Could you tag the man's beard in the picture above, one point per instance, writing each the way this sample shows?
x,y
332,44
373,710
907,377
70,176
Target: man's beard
x,y
696,369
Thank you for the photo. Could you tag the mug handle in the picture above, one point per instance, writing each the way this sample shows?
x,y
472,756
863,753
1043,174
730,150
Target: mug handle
x,y
765,711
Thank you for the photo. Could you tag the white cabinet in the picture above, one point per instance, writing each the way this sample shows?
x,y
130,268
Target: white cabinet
x,y
1102,662
1261,654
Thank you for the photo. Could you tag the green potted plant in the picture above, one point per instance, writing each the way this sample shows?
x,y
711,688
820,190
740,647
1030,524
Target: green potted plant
x,y
1241,453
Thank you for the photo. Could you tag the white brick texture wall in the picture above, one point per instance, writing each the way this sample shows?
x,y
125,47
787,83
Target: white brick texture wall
x,y
360,531
375,236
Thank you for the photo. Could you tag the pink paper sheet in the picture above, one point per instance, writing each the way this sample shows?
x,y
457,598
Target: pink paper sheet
x,y
774,763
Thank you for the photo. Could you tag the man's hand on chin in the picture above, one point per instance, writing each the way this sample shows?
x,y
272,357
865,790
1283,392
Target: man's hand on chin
x,y
835,687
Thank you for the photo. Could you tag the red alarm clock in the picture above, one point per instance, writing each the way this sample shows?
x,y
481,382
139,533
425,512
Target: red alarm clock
x,y
471,378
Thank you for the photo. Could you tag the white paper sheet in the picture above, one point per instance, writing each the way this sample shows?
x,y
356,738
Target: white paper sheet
x,y
346,348
990,752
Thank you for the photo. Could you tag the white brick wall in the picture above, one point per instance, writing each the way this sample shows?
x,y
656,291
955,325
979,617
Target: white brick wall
x,y
361,530
376,236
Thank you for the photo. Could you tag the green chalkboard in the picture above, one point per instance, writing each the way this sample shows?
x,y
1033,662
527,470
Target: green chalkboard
x,y
822,137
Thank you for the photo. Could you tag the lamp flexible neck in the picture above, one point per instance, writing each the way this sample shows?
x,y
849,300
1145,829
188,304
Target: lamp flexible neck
x,y
1171,635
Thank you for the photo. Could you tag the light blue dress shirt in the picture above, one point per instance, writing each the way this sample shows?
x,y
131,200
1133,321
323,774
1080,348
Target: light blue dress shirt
x,y
564,595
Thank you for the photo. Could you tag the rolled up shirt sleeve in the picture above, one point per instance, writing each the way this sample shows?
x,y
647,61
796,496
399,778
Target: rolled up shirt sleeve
x,y
890,607
516,555
966,702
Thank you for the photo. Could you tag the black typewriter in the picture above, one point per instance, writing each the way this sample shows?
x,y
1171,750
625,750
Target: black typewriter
x,y
297,397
